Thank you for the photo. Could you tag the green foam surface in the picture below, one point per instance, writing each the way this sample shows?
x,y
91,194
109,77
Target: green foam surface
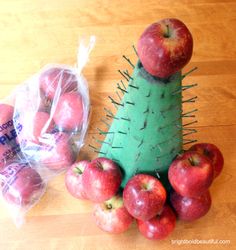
x,y
146,134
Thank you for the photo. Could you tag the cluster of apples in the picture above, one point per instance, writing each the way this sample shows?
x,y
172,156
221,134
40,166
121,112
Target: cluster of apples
x,y
99,181
40,131
191,174
59,115
144,198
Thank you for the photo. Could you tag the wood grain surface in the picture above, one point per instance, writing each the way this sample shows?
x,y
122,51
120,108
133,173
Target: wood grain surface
x,y
35,33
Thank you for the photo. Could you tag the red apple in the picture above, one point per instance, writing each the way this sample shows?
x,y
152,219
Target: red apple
x,y
160,226
44,104
6,117
7,134
57,80
73,179
3,152
212,153
101,179
6,154
190,209
68,114
144,196
59,153
111,216
191,174
35,127
30,99
21,184
7,131
165,47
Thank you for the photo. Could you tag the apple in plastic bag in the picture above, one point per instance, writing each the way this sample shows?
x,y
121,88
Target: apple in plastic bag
x,y
3,151
44,104
29,98
35,127
56,81
6,154
68,115
21,185
7,134
6,116
73,179
7,131
59,153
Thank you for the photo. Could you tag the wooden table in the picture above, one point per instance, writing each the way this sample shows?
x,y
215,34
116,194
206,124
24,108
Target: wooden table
x,y
34,33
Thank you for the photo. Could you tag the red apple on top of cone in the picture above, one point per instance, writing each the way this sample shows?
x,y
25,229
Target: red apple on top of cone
x,y
165,47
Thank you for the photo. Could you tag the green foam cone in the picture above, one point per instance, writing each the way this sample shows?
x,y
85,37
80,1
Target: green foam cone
x,y
146,133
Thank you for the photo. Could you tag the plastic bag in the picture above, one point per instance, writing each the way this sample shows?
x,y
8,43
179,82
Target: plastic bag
x,y
42,128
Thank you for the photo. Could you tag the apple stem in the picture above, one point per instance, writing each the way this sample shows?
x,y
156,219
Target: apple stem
x,y
192,162
167,34
146,186
78,170
109,206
